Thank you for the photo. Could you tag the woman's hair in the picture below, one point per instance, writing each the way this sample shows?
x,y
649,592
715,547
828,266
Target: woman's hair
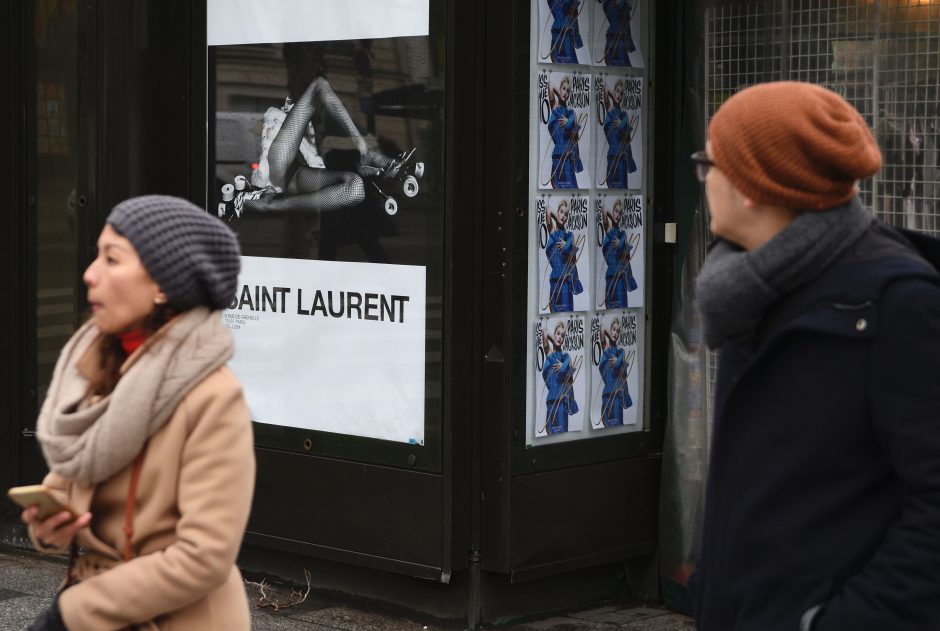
x,y
112,354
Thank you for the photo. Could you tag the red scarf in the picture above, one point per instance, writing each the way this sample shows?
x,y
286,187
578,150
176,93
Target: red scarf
x,y
131,340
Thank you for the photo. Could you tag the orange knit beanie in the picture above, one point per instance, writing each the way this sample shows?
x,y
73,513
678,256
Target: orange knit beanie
x,y
792,144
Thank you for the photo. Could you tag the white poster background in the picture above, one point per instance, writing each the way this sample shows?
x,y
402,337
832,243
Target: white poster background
x,y
631,224
275,21
611,39
347,375
579,218
565,28
576,378
577,111
627,344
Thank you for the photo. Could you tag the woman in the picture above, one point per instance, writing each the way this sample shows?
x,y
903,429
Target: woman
x,y
146,433
562,254
293,184
559,373
614,369
618,132
618,278
618,41
565,131
566,35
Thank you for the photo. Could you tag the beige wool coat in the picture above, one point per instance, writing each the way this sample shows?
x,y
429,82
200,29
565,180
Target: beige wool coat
x,y
193,500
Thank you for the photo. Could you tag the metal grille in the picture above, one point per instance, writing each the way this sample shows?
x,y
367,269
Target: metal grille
x,y
742,48
908,124
883,57
831,45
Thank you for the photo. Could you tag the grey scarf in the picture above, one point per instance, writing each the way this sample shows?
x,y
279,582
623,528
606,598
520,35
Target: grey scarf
x,y
89,441
735,287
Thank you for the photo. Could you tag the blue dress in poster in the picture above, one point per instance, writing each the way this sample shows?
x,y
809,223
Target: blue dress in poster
x,y
619,39
566,157
563,281
620,160
615,396
558,373
566,35
618,278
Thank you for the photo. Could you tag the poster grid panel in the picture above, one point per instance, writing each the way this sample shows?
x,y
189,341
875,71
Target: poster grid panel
x,y
587,290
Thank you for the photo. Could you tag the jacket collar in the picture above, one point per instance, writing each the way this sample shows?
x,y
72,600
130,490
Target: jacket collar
x,y
843,300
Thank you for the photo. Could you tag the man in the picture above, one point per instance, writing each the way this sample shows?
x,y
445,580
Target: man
x,y
823,501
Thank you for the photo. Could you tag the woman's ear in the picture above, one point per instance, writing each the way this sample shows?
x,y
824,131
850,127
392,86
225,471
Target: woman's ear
x,y
160,299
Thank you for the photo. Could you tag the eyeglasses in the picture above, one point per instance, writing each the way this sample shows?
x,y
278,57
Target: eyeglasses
x,y
702,163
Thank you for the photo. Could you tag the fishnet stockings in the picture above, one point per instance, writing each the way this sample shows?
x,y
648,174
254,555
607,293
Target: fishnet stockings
x,y
309,188
315,189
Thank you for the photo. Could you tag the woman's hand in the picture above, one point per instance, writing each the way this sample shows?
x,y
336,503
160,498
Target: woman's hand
x,y
56,531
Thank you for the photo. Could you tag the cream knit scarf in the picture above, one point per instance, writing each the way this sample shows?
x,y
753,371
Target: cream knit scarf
x,y
90,442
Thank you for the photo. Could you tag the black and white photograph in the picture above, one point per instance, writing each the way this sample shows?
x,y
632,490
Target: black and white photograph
x,y
331,150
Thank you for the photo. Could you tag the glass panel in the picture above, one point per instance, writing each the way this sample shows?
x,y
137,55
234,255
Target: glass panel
x,y
328,165
56,167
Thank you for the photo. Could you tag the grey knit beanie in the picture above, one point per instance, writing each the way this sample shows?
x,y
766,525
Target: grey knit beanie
x,y
192,255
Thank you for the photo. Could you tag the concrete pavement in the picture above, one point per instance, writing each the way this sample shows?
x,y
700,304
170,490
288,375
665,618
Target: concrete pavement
x,y
28,582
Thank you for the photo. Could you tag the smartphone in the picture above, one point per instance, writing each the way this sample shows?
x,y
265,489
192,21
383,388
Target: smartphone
x,y
39,495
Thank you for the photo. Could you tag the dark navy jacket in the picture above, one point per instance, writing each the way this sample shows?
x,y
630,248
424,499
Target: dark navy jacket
x,y
824,482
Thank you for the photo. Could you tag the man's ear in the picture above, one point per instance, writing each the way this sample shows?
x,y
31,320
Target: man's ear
x,y
748,202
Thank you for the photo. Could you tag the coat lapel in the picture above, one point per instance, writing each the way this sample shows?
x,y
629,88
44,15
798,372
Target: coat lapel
x,y
80,497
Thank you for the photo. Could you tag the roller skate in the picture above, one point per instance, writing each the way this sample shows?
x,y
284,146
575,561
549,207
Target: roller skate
x,y
235,195
403,171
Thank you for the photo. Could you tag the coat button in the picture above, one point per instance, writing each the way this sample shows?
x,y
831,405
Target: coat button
x,y
861,325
